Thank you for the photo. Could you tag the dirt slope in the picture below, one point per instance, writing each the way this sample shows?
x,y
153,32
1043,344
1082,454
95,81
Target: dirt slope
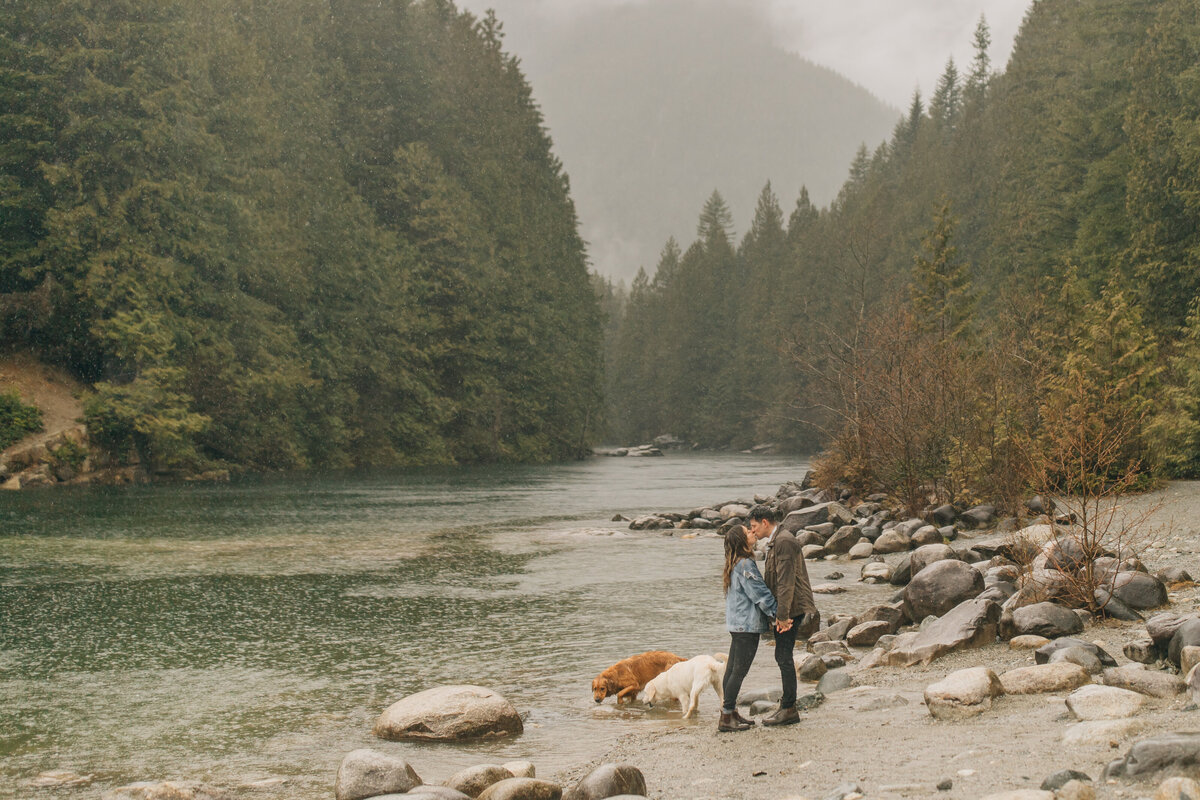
x,y
51,389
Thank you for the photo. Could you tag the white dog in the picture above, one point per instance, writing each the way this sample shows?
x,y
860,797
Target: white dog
x,y
685,680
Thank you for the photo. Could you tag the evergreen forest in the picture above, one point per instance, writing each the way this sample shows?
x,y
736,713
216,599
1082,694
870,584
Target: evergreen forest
x,y
279,234
1014,271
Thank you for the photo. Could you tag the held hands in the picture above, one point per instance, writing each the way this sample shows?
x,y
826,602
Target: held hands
x,y
783,626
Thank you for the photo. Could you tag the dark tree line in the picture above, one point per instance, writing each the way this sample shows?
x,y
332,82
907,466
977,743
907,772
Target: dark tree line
x,y
292,233
1021,236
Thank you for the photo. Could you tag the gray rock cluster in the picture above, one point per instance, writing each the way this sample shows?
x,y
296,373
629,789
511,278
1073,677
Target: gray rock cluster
x,y
369,774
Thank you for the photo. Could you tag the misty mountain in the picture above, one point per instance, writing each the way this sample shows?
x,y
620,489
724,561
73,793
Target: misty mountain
x,y
652,106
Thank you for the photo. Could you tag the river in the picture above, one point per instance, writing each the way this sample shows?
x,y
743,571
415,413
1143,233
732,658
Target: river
x,y
253,631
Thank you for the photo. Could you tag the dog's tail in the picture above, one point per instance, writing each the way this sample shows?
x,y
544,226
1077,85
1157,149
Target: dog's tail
x,y
722,657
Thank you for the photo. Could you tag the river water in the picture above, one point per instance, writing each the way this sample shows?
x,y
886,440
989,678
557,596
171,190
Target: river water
x,y
253,632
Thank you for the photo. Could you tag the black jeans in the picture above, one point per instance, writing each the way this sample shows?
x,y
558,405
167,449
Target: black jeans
x,y
742,649
785,643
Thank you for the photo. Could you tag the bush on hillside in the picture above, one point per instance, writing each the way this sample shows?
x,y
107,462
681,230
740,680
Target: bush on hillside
x,y
17,420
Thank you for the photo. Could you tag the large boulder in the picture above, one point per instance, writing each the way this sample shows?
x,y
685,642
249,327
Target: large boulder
x,y
961,694
943,515
1040,586
608,780
815,515
449,713
368,773
1138,590
977,517
866,634
893,541
1042,678
843,539
928,554
893,615
969,624
1042,619
1065,554
1178,752
1188,635
1161,627
928,534
940,587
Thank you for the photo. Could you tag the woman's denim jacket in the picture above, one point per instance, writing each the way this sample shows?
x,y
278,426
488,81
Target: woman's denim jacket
x,y
749,604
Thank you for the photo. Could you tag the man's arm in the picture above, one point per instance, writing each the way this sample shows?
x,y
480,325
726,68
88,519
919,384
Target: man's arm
x,y
786,552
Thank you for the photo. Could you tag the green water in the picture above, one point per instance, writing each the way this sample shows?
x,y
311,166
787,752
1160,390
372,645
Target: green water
x,y
247,632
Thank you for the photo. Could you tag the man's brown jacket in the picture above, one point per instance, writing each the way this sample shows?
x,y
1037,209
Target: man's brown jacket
x,y
787,577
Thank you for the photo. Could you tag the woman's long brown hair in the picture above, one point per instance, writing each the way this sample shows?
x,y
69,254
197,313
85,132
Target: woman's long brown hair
x,y
737,547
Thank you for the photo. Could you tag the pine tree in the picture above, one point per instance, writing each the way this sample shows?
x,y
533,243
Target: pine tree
x,y
941,282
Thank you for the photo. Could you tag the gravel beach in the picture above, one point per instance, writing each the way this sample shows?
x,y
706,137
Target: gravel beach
x,y
879,735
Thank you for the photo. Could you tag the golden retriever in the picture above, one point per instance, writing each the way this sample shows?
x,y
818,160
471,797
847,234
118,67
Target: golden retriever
x,y
629,676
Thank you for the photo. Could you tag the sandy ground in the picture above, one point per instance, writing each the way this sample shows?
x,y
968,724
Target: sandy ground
x,y
878,733
52,390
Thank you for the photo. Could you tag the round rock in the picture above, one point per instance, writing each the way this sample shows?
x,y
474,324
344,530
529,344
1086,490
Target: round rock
x,y
961,694
473,780
449,713
522,789
608,780
1078,655
1046,619
368,773
930,553
940,587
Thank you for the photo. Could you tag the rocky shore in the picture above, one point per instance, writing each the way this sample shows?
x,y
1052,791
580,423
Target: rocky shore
x,y
962,670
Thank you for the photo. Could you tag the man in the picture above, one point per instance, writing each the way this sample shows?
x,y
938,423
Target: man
x,y
787,578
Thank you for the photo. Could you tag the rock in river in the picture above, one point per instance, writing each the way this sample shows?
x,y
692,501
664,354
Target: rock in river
x,y
449,713
368,773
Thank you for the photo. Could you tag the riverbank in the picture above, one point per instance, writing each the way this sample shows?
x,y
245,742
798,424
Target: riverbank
x,y
879,735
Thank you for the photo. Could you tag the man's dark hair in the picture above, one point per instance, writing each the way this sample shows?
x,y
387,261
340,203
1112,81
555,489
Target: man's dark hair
x,y
762,511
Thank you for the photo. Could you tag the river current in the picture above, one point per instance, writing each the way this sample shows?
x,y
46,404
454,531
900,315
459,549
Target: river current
x,y
252,632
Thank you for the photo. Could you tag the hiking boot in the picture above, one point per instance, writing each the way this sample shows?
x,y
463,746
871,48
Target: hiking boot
x,y
729,722
784,716
742,720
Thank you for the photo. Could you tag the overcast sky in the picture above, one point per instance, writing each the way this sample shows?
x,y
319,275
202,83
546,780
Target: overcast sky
x,y
889,47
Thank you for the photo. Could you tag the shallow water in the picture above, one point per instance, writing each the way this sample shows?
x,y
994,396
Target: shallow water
x,y
244,632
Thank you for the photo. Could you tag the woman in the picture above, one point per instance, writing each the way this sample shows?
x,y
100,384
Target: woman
x,y
749,607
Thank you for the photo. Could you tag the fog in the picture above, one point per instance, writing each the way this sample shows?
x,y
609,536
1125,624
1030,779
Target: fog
x,y
653,104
